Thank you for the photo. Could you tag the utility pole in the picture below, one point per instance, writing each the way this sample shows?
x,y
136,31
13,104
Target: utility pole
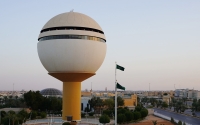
x,y
13,89
0,117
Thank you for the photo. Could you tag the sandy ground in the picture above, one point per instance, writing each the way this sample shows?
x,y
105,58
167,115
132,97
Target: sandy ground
x,y
148,121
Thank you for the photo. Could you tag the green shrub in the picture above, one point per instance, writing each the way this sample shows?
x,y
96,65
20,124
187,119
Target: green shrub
x,y
144,112
121,111
121,118
136,115
138,108
107,112
5,120
38,117
66,123
33,114
87,109
91,113
3,114
43,115
82,115
129,116
104,119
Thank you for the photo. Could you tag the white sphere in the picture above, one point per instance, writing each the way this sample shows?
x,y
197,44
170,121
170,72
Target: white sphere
x,y
71,43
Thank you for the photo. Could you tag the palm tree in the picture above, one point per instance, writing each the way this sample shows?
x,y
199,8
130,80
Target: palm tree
x,y
154,122
14,118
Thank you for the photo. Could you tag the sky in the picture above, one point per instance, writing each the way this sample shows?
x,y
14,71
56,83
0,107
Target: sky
x,y
157,42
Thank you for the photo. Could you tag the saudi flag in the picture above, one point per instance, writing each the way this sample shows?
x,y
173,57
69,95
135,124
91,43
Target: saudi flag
x,y
120,87
120,67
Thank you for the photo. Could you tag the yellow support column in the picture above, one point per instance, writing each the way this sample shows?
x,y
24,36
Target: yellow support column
x,y
71,105
71,100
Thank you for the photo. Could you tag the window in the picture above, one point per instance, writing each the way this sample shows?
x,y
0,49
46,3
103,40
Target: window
x,y
72,28
72,37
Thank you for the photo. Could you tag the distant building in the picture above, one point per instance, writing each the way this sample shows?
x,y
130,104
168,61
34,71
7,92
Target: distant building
x,y
187,93
130,100
166,98
51,92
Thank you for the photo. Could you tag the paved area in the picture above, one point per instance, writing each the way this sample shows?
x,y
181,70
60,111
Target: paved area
x,y
182,117
187,111
89,121
58,121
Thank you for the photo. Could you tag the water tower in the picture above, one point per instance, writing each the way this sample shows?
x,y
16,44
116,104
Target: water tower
x,y
71,47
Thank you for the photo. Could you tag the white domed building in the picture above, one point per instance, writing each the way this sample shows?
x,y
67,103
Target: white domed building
x,y
51,92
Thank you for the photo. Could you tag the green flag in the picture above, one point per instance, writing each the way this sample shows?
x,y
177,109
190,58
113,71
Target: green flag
x,y
120,87
120,67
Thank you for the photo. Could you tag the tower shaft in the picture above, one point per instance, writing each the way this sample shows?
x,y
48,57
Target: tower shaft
x,y
71,105
71,100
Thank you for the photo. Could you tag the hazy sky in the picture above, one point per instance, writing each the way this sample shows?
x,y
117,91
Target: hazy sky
x,y
158,42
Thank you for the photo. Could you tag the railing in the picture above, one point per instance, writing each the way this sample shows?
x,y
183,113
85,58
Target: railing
x,y
168,118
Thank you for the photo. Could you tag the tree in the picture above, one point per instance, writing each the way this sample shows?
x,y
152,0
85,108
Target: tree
x,y
87,109
121,118
109,103
183,108
33,114
5,120
104,119
164,105
195,104
22,116
120,101
3,114
14,118
107,112
96,103
184,100
43,115
172,120
33,99
179,123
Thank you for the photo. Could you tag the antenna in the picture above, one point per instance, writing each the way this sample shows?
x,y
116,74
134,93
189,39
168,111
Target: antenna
x,y
91,86
149,87
13,89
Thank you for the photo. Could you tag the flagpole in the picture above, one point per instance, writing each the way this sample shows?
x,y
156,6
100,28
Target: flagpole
x,y
115,94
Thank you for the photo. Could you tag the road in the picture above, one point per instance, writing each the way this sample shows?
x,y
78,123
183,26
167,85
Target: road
x,y
181,117
187,111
